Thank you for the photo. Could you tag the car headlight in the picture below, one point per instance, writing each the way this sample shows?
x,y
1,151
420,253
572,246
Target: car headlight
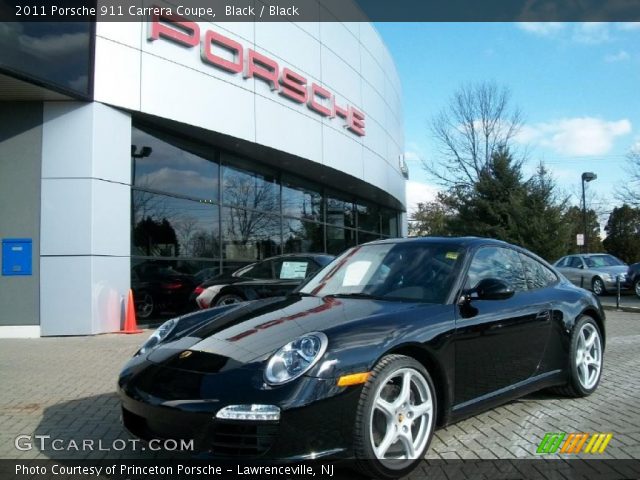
x,y
295,358
158,336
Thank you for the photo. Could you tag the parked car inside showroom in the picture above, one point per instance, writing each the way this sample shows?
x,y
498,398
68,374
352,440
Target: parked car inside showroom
x,y
158,288
595,271
391,340
271,277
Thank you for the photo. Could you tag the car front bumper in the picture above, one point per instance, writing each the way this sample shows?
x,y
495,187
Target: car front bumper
x,y
316,421
612,285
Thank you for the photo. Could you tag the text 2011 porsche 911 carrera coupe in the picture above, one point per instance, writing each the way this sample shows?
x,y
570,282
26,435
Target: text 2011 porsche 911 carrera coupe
x,y
368,357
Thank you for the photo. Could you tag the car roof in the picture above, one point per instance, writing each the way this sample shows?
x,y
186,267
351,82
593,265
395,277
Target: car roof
x,y
458,241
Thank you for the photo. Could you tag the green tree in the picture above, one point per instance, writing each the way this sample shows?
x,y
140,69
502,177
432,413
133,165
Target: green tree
x,y
501,205
623,233
492,207
574,221
430,218
543,225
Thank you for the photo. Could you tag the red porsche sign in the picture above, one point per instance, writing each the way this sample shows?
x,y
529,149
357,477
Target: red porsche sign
x,y
252,64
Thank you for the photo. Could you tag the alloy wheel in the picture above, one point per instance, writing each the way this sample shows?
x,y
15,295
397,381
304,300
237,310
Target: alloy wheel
x,y
588,356
636,287
229,300
598,286
144,306
401,418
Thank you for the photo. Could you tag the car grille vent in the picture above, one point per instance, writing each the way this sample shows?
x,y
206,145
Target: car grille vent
x,y
243,439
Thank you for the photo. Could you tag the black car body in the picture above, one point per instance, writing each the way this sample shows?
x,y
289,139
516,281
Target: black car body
x,y
272,277
633,277
481,346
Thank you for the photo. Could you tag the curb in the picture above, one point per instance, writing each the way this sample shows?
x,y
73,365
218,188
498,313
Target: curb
x,y
621,309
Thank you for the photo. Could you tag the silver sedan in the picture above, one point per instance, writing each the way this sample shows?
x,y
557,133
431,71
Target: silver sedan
x,y
596,271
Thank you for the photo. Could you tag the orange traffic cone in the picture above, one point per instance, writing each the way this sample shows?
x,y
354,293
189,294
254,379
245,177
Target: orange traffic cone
x,y
130,324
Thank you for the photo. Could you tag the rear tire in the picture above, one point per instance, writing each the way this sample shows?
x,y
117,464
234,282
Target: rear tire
x,y
395,418
636,287
586,359
144,306
228,299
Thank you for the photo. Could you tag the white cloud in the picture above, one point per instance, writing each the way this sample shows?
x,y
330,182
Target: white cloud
x,y
167,178
418,192
621,56
580,136
542,29
591,33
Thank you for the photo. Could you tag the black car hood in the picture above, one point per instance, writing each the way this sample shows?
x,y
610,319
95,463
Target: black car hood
x,y
254,330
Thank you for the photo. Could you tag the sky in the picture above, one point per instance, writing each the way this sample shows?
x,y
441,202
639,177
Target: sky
x,y
577,85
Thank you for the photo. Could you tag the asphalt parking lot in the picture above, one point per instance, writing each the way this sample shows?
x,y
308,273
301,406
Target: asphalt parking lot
x,y
64,387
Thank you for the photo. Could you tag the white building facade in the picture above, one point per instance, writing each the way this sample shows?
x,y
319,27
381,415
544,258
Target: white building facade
x,y
192,147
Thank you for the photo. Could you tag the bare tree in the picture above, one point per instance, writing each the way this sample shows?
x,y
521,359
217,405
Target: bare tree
x,y
629,192
476,124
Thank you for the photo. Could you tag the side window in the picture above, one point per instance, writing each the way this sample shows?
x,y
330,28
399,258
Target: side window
x,y
575,262
261,270
563,263
538,276
497,262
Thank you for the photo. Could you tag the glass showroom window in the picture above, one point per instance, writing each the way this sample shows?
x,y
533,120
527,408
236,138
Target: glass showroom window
x,y
302,237
248,236
172,169
175,231
389,222
340,212
339,239
368,217
301,199
245,186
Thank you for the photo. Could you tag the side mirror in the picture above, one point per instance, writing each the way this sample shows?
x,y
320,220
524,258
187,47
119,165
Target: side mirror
x,y
493,289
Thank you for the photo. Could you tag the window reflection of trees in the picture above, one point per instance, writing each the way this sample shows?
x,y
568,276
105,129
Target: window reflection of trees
x,y
168,226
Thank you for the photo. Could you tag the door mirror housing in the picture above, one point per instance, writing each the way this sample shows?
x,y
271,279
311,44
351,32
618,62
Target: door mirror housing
x,y
493,289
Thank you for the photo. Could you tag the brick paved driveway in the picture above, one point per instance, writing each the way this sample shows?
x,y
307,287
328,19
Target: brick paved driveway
x,y
64,387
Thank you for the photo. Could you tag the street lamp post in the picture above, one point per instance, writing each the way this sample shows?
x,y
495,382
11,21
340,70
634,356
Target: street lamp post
x,y
586,177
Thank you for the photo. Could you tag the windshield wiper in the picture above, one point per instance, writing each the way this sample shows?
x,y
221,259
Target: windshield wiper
x,y
354,295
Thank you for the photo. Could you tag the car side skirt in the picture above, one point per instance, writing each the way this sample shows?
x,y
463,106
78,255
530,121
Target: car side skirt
x,y
511,392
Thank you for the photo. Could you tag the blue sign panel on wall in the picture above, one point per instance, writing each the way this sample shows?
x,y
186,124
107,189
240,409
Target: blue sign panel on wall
x,y
16,256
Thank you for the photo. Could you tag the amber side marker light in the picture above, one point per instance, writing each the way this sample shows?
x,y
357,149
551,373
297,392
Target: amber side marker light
x,y
353,379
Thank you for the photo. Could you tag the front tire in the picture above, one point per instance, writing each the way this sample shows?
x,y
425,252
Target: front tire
x,y
586,359
597,286
395,419
636,287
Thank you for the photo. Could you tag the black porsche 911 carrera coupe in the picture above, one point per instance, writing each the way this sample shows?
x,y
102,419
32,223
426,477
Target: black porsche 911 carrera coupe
x,y
369,356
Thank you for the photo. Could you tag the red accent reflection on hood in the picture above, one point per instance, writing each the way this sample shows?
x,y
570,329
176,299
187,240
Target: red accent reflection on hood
x,y
327,303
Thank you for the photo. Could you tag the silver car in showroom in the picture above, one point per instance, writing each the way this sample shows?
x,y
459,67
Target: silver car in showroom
x,y
595,271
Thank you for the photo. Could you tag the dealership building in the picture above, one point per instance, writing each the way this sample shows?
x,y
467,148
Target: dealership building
x,y
182,149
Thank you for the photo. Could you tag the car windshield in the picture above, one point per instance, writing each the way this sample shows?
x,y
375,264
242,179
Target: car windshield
x,y
596,261
412,271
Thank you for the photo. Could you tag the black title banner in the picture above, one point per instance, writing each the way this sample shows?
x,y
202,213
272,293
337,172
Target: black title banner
x,y
323,10
517,469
